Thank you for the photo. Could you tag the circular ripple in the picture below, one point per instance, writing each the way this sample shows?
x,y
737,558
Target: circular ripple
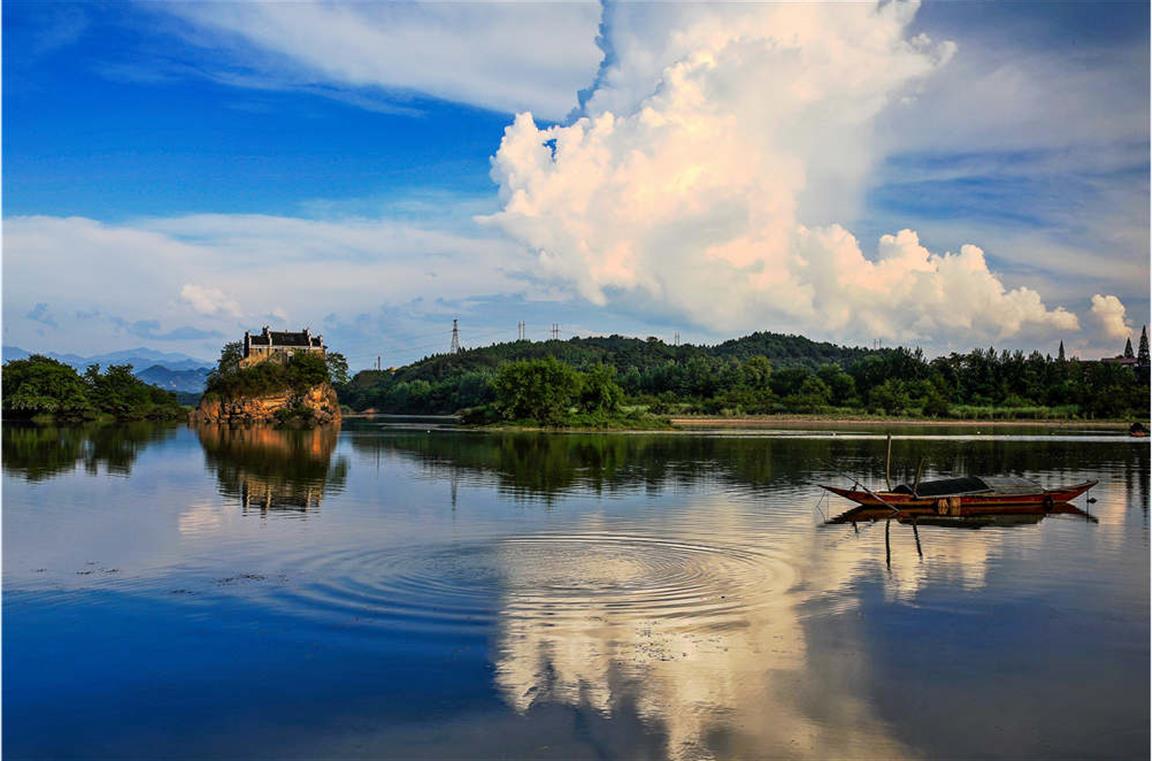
x,y
546,578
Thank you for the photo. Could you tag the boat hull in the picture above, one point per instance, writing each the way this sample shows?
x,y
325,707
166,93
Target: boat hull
x,y
962,504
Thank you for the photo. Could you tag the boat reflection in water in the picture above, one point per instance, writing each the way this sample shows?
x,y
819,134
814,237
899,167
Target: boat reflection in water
x,y
1007,515
270,469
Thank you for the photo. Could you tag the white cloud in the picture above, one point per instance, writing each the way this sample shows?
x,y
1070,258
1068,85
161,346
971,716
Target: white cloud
x,y
693,193
1110,317
209,301
502,56
195,272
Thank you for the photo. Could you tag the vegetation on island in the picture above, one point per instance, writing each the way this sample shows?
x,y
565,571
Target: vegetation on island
x,y
39,387
300,373
547,382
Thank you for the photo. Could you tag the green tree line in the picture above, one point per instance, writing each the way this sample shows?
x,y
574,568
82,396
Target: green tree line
x,y
759,374
41,386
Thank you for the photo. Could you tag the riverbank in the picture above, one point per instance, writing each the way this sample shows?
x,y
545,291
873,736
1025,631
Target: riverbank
x,y
777,421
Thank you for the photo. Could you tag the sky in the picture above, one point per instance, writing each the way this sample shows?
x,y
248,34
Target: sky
x,y
944,175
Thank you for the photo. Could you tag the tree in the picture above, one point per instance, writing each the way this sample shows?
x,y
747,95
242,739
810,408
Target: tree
x,y
337,368
1060,355
890,397
230,356
1142,357
536,389
306,369
841,384
599,391
757,371
1128,353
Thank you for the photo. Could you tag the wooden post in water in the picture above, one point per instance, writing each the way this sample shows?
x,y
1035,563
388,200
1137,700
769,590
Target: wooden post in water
x,y
916,483
888,543
888,464
916,533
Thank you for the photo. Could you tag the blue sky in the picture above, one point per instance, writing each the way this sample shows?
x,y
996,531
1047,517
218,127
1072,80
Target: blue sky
x,y
176,173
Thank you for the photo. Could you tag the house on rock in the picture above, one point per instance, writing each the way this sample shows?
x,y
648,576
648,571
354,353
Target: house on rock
x,y
279,346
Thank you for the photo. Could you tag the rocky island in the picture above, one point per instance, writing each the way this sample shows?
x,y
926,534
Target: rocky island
x,y
274,377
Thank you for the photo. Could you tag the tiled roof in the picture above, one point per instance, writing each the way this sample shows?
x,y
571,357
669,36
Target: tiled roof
x,y
288,339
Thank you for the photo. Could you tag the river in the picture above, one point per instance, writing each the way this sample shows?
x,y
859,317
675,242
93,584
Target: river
x,y
413,591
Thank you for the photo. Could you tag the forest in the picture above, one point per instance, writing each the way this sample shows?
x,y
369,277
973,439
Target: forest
x,y
763,373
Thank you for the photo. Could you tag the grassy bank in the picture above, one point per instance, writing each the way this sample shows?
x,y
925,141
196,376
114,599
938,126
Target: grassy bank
x,y
771,421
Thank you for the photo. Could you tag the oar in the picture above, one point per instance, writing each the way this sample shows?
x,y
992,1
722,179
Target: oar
x,y
867,491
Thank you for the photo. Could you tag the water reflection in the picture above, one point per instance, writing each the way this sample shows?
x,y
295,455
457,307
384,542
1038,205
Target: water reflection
x,y
40,453
543,467
590,596
268,469
1003,517
704,638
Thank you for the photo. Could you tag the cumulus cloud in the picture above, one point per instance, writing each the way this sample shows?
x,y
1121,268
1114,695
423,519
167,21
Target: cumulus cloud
x,y
208,301
1110,317
706,174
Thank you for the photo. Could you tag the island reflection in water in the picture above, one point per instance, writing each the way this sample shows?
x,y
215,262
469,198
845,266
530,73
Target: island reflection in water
x,y
464,594
266,468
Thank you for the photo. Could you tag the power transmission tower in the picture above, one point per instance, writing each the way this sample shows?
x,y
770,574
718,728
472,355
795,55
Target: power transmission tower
x,y
520,330
555,331
455,338
676,339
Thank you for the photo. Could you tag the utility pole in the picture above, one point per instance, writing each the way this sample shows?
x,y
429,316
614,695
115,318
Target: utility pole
x,y
377,363
455,348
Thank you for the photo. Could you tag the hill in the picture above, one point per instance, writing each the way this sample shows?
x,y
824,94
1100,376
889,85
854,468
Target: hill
x,y
771,372
628,353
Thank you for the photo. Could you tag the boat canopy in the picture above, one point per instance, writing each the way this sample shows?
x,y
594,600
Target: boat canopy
x,y
949,487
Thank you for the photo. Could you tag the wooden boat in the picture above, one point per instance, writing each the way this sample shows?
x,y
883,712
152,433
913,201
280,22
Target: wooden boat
x,y
963,496
982,517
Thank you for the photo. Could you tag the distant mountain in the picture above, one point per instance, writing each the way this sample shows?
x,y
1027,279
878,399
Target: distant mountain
x,y
168,370
189,381
140,357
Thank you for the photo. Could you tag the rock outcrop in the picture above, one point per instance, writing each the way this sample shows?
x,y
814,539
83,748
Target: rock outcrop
x,y
315,406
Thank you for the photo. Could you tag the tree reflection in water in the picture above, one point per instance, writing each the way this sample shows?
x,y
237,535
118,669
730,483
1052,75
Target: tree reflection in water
x,y
39,453
543,466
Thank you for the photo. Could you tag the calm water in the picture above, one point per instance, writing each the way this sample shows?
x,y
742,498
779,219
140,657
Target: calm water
x,y
403,592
